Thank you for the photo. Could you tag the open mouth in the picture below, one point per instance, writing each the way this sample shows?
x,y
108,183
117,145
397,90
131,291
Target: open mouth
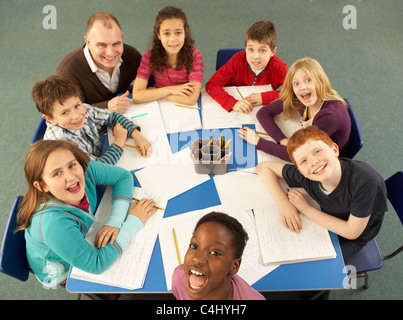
x,y
320,170
306,96
75,188
196,280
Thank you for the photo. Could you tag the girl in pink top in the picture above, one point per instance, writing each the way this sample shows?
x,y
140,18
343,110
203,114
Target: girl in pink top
x,y
176,66
212,261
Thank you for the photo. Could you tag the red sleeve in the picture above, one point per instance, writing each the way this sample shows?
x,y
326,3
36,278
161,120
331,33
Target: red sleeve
x,y
220,79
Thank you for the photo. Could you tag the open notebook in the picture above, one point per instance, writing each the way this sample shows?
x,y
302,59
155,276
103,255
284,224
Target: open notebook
x,y
279,245
130,269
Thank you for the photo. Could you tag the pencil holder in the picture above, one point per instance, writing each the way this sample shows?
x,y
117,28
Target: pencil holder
x,y
210,156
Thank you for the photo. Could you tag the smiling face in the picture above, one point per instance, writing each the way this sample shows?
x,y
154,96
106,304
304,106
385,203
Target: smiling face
x,y
105,45
209,263
258,54
63,177
305,90
318,161
172,35
69,115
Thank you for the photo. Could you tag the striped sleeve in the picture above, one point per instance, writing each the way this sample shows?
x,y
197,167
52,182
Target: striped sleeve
x,y
112,155
116,117
143,72
196,75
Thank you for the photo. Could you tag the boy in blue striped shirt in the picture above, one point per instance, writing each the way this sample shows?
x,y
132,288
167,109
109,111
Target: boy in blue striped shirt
x,y
67,118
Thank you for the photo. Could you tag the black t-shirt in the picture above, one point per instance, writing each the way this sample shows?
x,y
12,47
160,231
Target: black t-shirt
x,y
361,192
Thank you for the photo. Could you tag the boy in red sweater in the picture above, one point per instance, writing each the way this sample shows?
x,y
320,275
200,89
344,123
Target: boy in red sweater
x,y
257,65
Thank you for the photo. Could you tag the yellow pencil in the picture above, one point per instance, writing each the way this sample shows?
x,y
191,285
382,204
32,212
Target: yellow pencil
x,y
176,245
227,144
154,206
135,147
182,106
240,93
263,133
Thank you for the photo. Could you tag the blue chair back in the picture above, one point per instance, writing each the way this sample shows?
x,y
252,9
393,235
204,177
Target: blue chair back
x,y
40,131
13,257
223,55
355,142
394,185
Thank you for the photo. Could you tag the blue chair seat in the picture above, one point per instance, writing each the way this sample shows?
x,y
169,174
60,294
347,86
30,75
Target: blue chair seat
x,y
40,131
223,55
13,258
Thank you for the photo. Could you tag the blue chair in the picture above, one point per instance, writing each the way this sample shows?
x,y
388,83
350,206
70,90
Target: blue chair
x,y
394,185
223,55
40,131
369,257
13,258
355,142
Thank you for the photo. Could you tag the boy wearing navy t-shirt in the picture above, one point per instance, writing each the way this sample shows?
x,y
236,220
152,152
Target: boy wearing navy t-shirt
x,y
351,193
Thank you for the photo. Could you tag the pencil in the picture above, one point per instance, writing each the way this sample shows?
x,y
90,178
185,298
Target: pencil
x,y
227,144
135,147
263,133
176,246
154,206
240,93
182,106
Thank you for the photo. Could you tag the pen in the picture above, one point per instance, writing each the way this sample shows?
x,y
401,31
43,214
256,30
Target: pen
x,y
190,107
154,206
176,246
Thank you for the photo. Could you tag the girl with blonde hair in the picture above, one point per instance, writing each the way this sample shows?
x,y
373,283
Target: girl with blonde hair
x,y
306,92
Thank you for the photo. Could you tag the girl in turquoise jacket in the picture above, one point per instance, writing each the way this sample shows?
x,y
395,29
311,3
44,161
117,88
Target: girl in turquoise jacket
x,y
58,209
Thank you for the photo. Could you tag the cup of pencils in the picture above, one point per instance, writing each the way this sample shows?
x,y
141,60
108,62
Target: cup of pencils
x,y
210,156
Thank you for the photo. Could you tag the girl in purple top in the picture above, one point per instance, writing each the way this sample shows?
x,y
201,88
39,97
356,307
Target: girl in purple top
x,y
212,261
306,90
177,67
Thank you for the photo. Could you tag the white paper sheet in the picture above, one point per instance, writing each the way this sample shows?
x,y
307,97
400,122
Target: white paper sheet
x,y
173,179
252,268
279,245
130,269
179,119
214,116
242,191
148,117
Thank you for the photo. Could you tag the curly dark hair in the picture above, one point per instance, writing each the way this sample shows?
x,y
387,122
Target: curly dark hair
x,y
158,57
236,230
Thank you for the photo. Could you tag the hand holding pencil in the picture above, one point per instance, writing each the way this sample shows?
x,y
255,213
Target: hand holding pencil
x,y
143,209
249,135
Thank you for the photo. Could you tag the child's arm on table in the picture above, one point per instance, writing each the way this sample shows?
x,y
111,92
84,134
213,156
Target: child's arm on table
x,y
186,93
350,229
269,172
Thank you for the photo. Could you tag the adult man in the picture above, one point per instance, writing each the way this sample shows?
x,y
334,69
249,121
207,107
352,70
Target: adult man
x,y
105,66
